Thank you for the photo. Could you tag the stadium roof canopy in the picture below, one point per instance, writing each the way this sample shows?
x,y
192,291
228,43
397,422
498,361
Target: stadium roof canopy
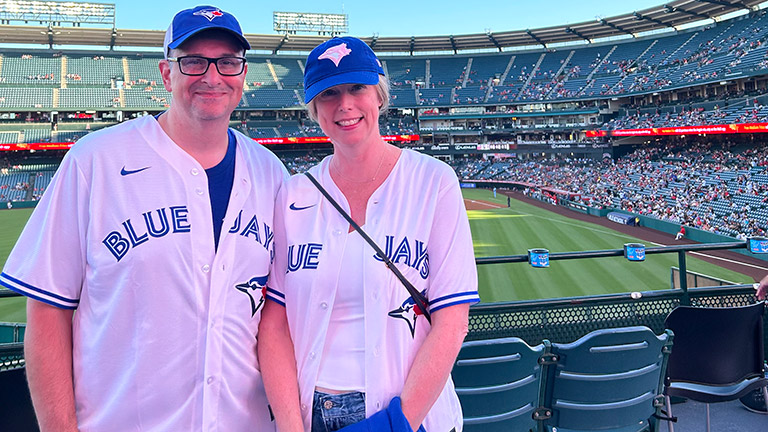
x,y
671,15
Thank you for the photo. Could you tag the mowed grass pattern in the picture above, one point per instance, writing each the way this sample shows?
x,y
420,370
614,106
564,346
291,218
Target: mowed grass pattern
x,y
512,231
11,224
506,231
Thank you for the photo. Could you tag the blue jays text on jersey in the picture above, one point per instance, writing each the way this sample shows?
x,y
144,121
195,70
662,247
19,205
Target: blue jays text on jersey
x,y
413,254
160,222
415,257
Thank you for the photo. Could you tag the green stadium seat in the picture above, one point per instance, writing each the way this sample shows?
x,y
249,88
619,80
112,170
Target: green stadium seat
x,y
498,383
607,380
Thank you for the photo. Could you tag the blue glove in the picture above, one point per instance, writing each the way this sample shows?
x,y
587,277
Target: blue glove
x,y
390,420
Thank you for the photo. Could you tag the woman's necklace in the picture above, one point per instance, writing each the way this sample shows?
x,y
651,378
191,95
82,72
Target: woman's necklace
x,y
381,162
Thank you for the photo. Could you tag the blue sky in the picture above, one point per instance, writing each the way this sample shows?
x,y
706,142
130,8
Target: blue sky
x,y
393,17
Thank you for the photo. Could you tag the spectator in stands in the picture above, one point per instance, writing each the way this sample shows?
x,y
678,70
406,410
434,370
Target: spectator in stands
x,y
164,335
395,194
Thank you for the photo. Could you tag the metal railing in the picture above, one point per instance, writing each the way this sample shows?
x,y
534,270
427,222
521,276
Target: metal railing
x,y
567,319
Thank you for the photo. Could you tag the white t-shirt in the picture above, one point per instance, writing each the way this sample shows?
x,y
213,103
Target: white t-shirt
x,y
342,365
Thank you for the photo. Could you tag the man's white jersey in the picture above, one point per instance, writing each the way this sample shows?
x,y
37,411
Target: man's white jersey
x,y
417,217
164,334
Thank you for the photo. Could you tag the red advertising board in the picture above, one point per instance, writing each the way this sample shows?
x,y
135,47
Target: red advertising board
x,y
683,130
37,146
296,140
324,139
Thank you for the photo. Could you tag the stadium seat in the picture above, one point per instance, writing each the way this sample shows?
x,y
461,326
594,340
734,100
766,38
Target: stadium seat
x,y
498,384
16,409
718,355
607,380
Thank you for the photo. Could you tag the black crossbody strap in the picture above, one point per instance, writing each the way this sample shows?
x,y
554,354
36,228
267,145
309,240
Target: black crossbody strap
x,y
418,298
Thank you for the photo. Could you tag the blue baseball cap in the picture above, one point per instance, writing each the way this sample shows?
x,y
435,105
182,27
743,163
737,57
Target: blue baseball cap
x,y
341,60
190,22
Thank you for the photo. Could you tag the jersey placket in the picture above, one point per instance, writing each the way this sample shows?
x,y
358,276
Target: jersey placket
x,y
221,269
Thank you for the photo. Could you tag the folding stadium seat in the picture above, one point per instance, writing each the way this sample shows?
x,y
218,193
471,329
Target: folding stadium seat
x,y
608,380
498,383
718,353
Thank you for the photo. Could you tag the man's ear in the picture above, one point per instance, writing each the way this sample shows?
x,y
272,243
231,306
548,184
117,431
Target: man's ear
x,y
165,73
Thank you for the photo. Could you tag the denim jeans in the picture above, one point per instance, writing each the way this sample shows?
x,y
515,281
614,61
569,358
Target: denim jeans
x,y
331,412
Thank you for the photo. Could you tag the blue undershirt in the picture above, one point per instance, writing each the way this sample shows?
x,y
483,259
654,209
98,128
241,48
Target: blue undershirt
x,y
220,179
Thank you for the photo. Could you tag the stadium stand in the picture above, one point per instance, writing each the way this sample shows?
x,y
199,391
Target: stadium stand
x,y
142,70
504,82
405,72
706,54
82,70
290,72
721,189
33,70
259,74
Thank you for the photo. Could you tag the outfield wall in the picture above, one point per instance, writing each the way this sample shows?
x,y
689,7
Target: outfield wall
x,y
691,233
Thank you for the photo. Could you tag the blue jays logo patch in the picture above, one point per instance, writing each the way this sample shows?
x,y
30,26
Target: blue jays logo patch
x,y
259,286
408,312
335,53
209,13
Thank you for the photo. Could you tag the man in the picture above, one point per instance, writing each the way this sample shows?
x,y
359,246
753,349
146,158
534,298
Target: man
x,y
680,234
158,232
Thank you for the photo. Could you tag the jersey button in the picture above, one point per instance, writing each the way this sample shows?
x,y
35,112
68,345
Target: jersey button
x,y
336,232
206,268
199,191
194,171
303,407
378,405
323,305
210,380
312,355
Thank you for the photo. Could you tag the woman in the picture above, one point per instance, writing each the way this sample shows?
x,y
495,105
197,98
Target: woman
x,y
360,348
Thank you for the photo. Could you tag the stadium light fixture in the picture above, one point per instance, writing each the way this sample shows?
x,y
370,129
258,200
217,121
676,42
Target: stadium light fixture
x,y
56,13
322,24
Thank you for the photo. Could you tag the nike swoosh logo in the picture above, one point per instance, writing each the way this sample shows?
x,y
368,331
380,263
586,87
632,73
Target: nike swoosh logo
x,y
293,207
125,172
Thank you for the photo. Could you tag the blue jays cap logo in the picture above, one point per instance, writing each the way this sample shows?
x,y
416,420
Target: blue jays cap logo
x,y
408,312
335,53
256,284
209,13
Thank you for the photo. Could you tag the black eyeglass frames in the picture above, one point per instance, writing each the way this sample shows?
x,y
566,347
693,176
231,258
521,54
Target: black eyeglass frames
x,y
198,65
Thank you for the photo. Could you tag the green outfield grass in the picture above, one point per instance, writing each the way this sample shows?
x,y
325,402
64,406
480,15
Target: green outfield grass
x,y
512,231
11,224
507,231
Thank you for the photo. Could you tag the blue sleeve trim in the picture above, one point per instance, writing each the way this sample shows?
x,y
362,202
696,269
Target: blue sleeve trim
x,y
276,292
471,301
38,298
461,294
30,287
274,300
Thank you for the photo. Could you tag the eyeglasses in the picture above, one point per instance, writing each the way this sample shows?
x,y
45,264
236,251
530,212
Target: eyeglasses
x,y
198,65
